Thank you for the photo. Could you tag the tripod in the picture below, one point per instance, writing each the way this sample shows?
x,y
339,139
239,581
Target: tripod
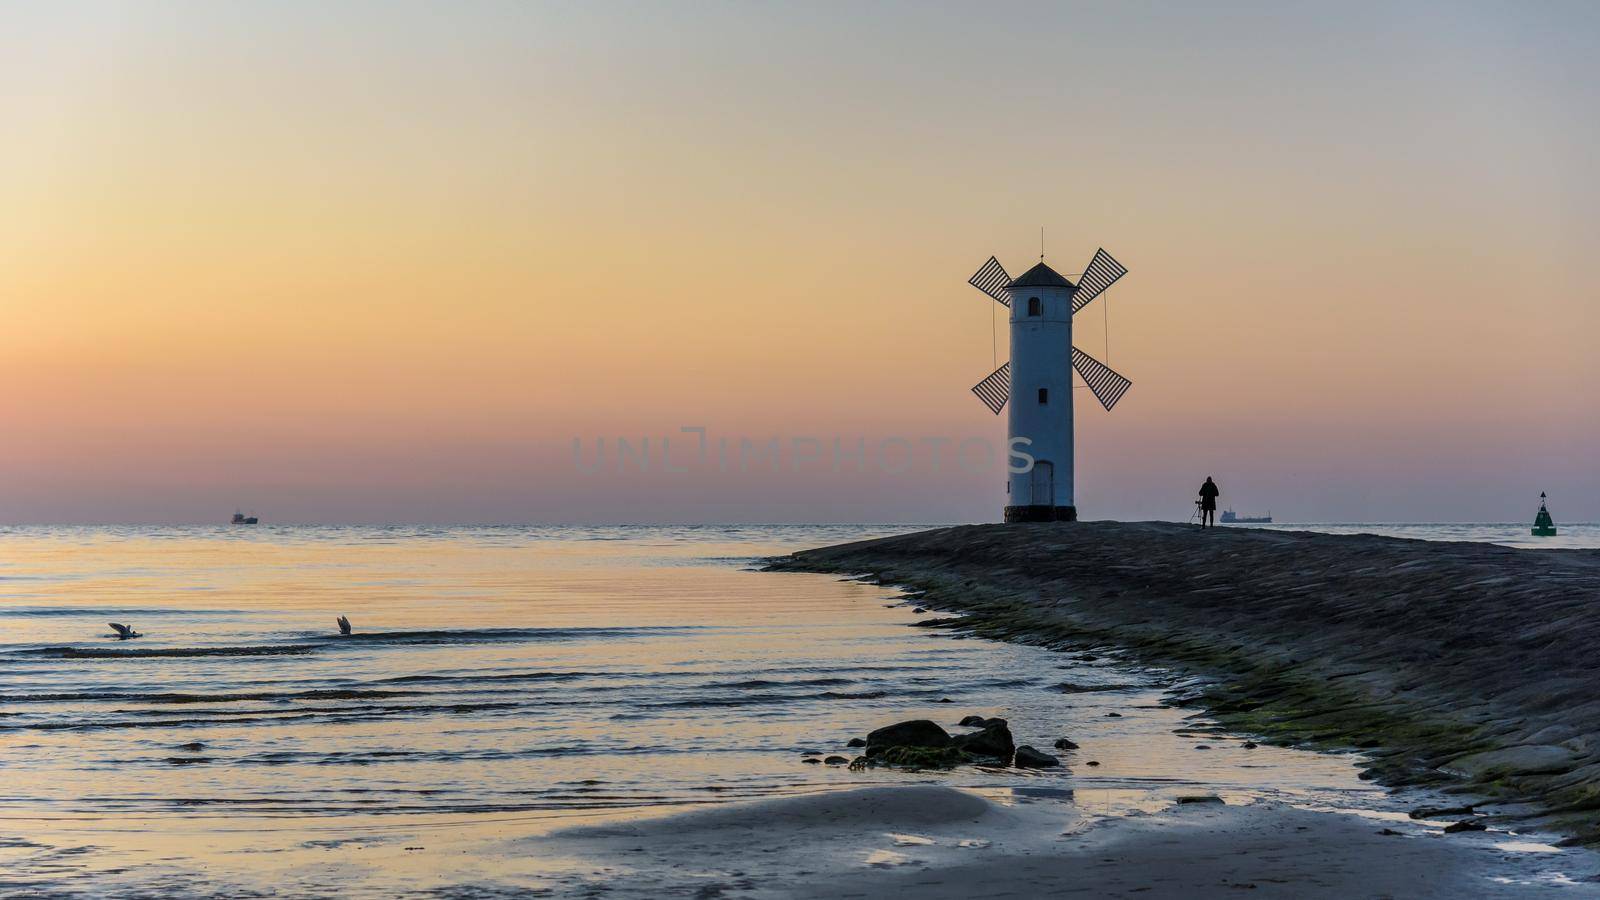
x,y
1197,515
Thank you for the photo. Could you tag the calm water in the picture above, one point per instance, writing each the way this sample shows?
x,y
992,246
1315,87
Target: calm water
x,y
504,681
1584,535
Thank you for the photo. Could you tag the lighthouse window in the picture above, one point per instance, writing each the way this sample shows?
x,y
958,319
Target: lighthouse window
x,y
1033,306
1044,396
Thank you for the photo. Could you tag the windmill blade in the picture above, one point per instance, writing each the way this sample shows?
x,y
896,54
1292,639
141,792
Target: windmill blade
x,y
992,279
1107,385
1101,273
996,389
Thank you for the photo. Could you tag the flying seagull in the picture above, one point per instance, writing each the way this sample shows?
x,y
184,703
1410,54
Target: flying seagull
x,y
344,625
124,631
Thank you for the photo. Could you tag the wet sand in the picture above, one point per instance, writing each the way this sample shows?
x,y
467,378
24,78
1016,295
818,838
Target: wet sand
x,y
937,842
1461,666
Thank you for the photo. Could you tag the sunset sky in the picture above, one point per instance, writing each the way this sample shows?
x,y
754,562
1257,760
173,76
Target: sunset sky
x,y
383,262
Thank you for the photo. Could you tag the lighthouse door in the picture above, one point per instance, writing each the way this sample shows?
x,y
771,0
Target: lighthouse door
x,y
1044,484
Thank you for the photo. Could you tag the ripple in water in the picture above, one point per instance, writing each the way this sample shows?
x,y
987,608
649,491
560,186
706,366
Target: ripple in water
x,y
494,672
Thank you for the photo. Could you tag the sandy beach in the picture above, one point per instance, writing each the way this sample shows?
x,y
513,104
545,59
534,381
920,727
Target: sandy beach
x,y
938,842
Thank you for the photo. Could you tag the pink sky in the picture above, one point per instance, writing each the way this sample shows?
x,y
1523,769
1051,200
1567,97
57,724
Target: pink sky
x,y
384,263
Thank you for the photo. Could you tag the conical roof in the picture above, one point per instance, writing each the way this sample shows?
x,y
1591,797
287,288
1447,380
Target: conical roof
x,y
1042,276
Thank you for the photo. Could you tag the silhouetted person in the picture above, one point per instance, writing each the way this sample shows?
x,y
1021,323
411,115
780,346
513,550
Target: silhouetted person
x,y
1208,502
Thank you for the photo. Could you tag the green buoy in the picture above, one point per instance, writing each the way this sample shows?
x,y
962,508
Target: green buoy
x,y
1543,525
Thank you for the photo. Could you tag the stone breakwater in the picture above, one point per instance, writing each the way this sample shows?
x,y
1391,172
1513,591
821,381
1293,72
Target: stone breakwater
x,y
1462,666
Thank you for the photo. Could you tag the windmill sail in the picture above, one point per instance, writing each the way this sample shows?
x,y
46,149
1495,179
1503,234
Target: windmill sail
x,y
1107,385
995,389
1103,272
992,280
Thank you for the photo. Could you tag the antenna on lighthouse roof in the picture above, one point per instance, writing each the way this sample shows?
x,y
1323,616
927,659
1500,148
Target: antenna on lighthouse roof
x,y
1041,243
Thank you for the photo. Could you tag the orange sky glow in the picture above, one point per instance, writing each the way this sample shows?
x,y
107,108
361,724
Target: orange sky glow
x,y
383,262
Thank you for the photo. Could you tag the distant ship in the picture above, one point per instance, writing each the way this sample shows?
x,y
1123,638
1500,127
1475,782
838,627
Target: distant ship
x,y
240,518
1229,516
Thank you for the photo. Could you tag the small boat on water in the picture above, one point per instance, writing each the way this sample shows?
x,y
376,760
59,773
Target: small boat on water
x,y
1543,525
1231,517
240,518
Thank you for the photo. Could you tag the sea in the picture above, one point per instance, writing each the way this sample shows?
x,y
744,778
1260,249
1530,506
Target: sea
x,y
503,683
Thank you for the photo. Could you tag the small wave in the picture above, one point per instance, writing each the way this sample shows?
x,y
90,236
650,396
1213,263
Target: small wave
x,y
501,677
376,756
164,652
1009,682
773,699
126,696
115,724
856,695
113,612
148,719
487,635
397,805
918,667
717,702
1068,687
764,682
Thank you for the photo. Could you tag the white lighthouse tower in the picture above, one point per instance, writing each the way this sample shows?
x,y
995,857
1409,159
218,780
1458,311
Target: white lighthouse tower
x,y
1041,396
1037,381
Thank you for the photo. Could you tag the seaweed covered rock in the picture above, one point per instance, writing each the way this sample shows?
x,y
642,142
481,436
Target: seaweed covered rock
x,y
921,757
